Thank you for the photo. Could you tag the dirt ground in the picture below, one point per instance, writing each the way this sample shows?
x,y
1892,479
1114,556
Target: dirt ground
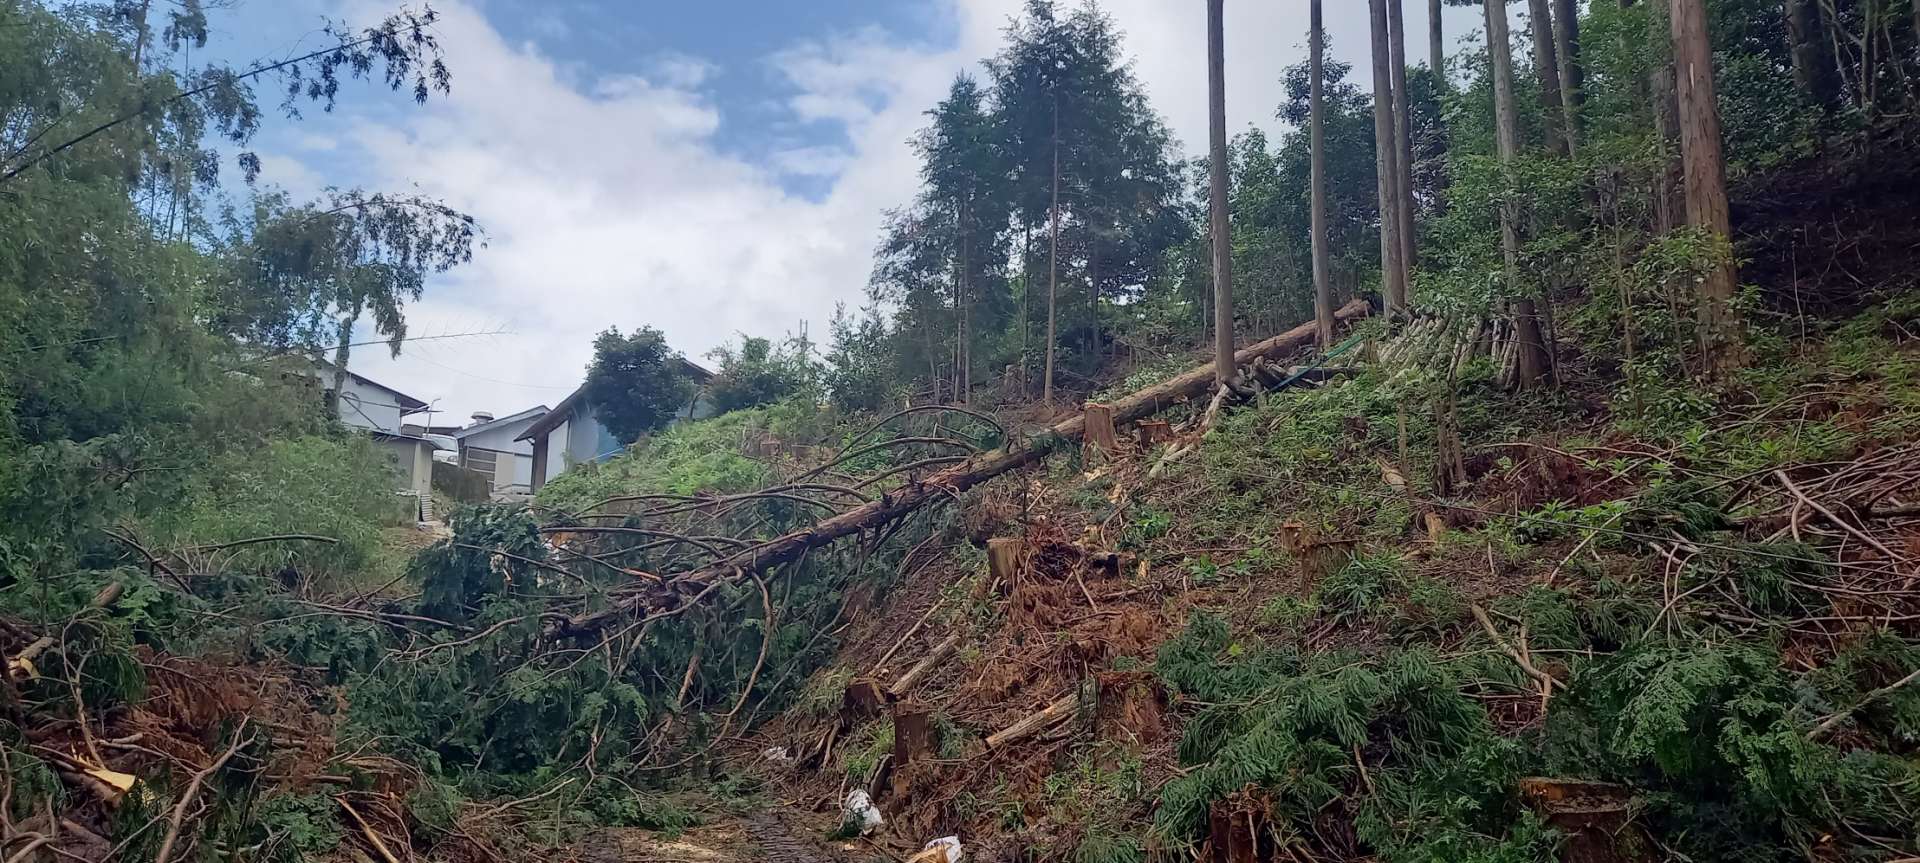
x,y
768,836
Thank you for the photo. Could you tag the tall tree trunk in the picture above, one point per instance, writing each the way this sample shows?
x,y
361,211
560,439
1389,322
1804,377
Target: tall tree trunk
x,y
1026,307
1053,258
1573,74
1813,68
964,376
1322,263
1403,143
1669,197
1387,163
1546,67
1437,45
1223,366
1706,180
1532,355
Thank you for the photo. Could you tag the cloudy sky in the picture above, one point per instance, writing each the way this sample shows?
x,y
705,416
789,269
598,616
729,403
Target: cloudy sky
x,y
706,168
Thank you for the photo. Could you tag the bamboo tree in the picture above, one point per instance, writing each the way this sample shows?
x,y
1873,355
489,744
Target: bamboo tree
x,y
1530,364
1386,141
1316,76
1706,180
1222,240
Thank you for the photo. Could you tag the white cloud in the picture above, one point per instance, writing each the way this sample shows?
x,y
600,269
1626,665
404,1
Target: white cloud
x,y
609,201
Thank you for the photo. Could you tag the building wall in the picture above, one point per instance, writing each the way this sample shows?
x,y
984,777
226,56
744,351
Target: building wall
x,y
366,407
413,460
556,443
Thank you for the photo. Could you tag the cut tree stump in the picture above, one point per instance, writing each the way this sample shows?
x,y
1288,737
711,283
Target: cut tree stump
x,y
915,738
1595,817
1003,559
1151,432
1100,430
914,675
864,699
1061,708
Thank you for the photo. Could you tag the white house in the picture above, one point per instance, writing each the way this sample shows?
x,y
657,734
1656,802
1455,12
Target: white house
x,y
571,434
494,447
378,409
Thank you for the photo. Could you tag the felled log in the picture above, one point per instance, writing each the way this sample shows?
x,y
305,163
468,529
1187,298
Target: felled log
x,y
942,485
1061,708
914,675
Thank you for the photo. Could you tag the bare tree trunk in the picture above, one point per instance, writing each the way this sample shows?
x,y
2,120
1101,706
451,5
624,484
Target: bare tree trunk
x,y
1223,366
1669,200
1403,143
1437,45
1812,66
1546,67
1316,76
1706,180
1053,258
964,383
1573,75
1387,163
1531,363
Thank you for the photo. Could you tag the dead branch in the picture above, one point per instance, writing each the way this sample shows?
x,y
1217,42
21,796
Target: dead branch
x,y
193,789
1831,721
1839,522
1547,681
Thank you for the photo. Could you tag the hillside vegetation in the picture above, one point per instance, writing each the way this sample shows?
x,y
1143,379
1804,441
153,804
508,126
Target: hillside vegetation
x,y
1590,532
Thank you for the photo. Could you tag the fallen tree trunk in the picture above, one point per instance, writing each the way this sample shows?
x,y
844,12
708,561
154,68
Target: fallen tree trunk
x,y
912,678
1061,708
1194,383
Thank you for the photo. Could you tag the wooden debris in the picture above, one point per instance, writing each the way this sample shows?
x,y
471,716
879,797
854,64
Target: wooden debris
x,y
1061,708
914,675
1150,433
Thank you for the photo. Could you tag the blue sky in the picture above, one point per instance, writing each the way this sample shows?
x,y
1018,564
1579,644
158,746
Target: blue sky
x,y
707,168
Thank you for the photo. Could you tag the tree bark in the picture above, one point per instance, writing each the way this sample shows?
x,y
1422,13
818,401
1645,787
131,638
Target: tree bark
x,y
1322,256
1437,45
1546,67
1223,367
1669,198
1531,363
1403,144
1183,388
1573,74
1387,163
1813,69
1053,258
1706,180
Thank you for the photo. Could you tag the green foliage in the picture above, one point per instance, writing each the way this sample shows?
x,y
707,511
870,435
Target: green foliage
x,y
759,372
298,827
637,383
1361,587
1439,783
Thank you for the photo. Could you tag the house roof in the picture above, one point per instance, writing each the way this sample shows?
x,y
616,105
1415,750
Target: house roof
x,y
407,403
534,411
564,409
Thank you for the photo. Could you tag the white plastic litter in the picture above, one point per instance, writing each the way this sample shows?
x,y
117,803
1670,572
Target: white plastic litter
x,y
861,811
776,753
945,849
